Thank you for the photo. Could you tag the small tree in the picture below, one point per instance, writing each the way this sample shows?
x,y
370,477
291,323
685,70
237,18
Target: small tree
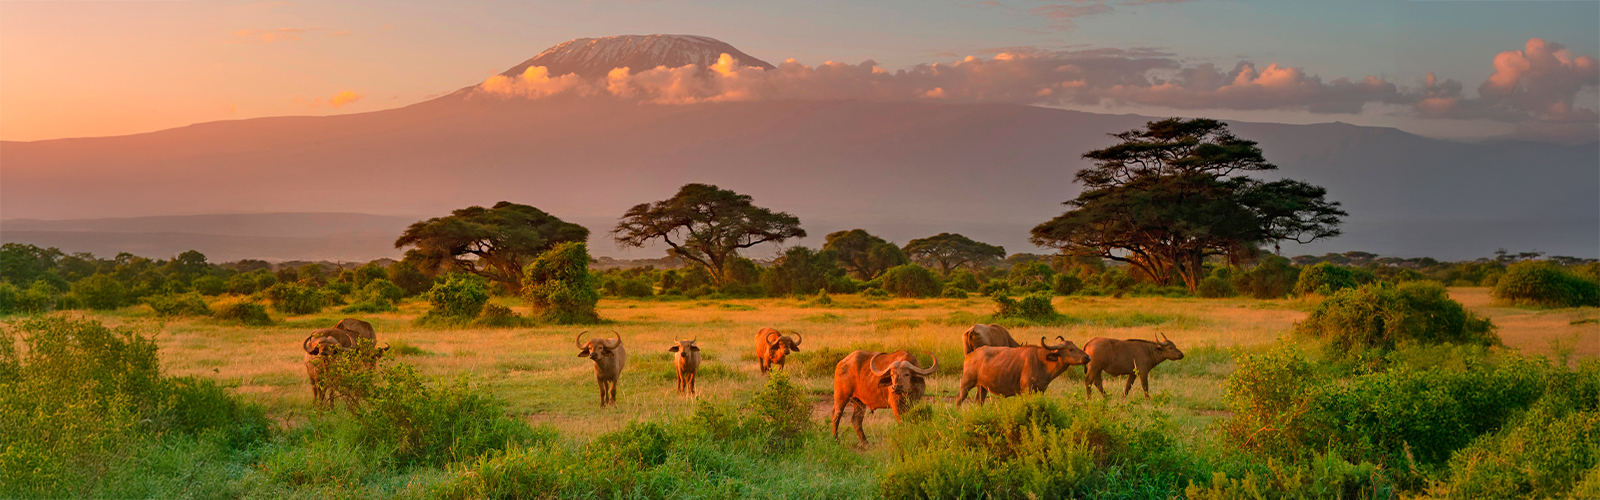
x,y
1383,316
949,251
560,287
705,225
294,298
459,296
864,255
801,271
101,291
911,280
1545,284
1325,278
1272,278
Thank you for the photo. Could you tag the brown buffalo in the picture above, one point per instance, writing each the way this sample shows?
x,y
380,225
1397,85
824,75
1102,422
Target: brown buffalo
x,y
686,358
609,360
1126,357
986,335
859,382
361,328
772,347
1009,371
321,348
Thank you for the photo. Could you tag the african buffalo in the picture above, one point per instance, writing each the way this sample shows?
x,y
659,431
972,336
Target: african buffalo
x,y
1009,371
686,358
859,382
986,335
772,347
609,359
1126,357
361,328
323,345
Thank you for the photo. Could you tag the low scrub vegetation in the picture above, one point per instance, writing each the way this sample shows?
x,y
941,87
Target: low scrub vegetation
x,y
1383,316
1545,284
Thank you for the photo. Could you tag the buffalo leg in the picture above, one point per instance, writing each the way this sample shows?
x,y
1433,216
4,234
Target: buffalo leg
x,y
983,395
857,417
966,385
838,413
691,384
1129,386
1144,382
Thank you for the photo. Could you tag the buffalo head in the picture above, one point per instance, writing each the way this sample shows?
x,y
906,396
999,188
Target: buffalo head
x,y
903,379
597,349
779,345
1065,351
1166,349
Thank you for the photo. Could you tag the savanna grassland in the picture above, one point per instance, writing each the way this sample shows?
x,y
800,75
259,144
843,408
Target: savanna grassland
x,y
656,443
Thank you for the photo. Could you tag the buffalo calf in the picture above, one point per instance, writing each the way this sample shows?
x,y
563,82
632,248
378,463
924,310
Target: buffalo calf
x,y
686,357
1126,357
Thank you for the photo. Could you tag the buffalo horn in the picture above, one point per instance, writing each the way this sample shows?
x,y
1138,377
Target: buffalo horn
x,y
306,344
768,338
619,337
872,364
929,370
1164,337
579,340
797,338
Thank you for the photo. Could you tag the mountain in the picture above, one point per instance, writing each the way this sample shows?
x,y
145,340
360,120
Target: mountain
x,y
900,169
332,237
595,57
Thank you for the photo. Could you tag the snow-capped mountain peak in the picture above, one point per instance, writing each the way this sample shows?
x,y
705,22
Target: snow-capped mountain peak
x,y
595,57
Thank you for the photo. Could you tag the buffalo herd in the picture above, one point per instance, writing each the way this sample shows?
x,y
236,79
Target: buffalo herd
x,y
863,381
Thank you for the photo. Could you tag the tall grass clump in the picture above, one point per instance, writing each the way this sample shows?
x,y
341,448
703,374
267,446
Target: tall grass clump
x,y
1545,284
1384,316
560,287
82,397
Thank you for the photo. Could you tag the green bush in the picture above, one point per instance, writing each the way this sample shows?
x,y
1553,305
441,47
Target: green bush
x,y
1215,287
951,292
419,423
782,411
248,313
1066,284
1544,454
911,280
1545,284
101,292
559,286
209,285
1325,278
1273,278
370,307
498,316
185,304
294,298
1035,307
1408,419
963,279
8,298
460,296
635,288
1383,316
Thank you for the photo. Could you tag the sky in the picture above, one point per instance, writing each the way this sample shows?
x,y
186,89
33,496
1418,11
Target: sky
x,y
99,68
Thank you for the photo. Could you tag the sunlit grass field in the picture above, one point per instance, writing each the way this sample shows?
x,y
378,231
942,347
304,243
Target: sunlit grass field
x,y
536,369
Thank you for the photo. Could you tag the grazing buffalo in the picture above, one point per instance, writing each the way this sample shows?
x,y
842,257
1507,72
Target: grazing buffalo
x,y
772,347
686,358
1009,371
986,335
361,328
609,360
1126,357
323,345
858,381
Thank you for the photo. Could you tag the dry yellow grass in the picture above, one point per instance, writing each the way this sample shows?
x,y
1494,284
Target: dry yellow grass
x,y
1537,331
537,371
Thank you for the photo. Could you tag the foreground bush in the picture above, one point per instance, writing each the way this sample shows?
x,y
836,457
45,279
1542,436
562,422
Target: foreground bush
x,y
1545,284
1384,316
84,396
560,287
1410,420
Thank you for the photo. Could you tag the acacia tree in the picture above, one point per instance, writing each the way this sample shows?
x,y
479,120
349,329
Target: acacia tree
x,y
1171,194
490,242
864,255
705,225
950,251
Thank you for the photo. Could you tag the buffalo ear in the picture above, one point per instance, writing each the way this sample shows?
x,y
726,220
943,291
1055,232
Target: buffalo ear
x,y
794,348
584,353
886,381
672,349
694,348
1052,357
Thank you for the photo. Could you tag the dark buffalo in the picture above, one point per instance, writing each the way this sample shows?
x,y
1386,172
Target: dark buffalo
x,y
1009,371
609,360
986,335
686,358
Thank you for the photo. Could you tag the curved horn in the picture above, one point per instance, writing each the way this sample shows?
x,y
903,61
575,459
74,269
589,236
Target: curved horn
x,y
305,345
1164,337
929,370
768,338
1047,345
872,364
797,338
579,341
619,337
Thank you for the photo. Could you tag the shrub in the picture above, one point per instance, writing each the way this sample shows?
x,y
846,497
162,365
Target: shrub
x,y
963,279
1544,454
951,292
1036,307
560,287
635,288
783,411
101,292
1325,278
370,307
910,280
8,298
1545,284
995,288
209,285
419,423
874,293
294,298
248,313
1272,278
1215,287
498,316
1066,284
1382,316
406,276
459,296
186,304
